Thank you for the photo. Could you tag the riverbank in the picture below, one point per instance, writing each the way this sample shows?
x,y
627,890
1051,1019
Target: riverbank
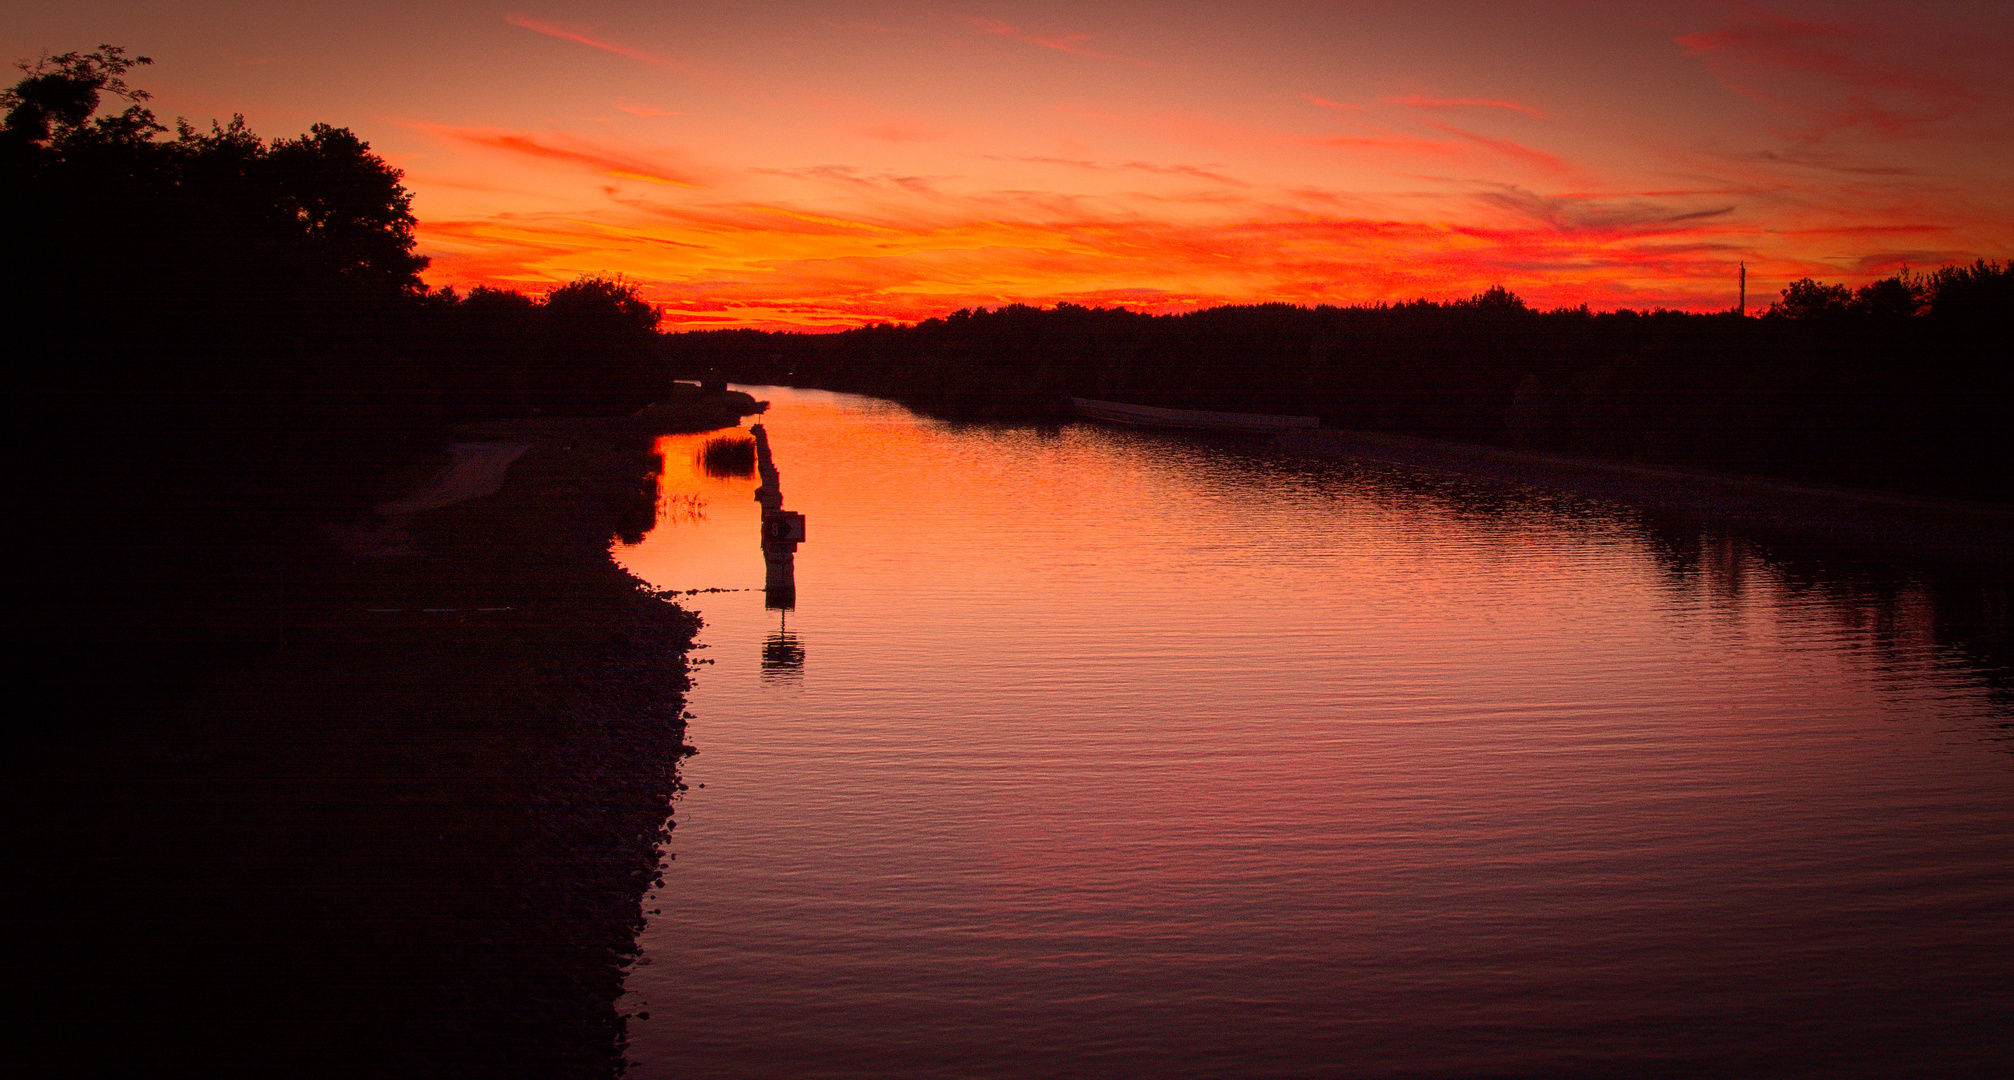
x,y
398,812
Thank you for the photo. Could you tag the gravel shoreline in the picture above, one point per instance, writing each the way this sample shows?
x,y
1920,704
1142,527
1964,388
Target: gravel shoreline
x,y
397,819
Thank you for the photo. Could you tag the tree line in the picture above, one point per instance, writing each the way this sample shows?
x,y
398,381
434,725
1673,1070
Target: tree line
x,y
221,342
215,270
1902,384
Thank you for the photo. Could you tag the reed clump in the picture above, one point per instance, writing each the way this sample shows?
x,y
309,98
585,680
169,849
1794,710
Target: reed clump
x,y
727,456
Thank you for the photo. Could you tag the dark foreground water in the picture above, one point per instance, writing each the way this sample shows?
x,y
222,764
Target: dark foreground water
x,y
1101,753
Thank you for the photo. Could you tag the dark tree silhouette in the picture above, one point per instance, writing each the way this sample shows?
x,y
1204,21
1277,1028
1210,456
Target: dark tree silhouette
x,y
1807,299
191,266
1496,299
1983,290
54,105
222,347
348,206
218,270
1896,297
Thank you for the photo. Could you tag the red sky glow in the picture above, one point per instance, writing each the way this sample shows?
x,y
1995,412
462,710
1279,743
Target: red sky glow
x,y
819,165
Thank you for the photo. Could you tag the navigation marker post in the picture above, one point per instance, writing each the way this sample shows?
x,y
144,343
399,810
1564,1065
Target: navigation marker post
x,y
782,530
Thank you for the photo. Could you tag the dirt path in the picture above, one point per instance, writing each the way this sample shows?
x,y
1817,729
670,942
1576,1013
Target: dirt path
x,y
476,469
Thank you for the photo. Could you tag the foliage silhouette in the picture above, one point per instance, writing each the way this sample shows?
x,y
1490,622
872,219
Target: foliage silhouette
x,y
222,350
1808,299
53,107
1981,291
218,272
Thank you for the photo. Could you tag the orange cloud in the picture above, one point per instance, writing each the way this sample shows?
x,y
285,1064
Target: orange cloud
x,y
578,152
1401,143
1548,162
1419,101
897,131
552,30
1325,103
868,244
1196,171
1068,43
781,265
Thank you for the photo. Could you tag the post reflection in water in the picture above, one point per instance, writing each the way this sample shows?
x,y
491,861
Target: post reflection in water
x,y
782,653
1141,755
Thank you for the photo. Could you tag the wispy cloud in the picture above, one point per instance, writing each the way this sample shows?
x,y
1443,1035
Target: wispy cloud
x,y
1888,262
1197,171
1074,44
1379,137
853,176
554,30
1423,102
901,131
1340,106
1917,228
564,149
1761,57
1605,216
1815,159
647,112
1551,163
1393,142
1038,159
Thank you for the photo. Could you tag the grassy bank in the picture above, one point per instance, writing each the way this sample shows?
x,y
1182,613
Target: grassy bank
x,y
349,796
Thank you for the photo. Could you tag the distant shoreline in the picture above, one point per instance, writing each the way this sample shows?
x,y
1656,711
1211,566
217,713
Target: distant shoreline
x,y
1406,449
1836,514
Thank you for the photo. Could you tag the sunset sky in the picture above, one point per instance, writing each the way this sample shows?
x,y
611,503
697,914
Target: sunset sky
x,y
826,164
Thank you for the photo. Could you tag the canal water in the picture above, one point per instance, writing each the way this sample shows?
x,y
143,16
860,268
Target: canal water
x,y
1092,752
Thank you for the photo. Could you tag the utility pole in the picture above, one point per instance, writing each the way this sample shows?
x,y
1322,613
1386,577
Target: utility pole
x,y
1742,308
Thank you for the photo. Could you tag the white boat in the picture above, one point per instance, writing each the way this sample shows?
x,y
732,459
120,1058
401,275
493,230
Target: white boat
x,y
1229,423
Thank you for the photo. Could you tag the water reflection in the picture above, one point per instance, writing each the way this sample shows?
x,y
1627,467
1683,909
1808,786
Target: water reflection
x,y
782,654
680,509
1912,595
1907,625
726,456
1372,771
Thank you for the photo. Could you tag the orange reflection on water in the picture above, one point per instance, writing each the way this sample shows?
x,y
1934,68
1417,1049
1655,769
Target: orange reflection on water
x,y
679,554
1209,756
